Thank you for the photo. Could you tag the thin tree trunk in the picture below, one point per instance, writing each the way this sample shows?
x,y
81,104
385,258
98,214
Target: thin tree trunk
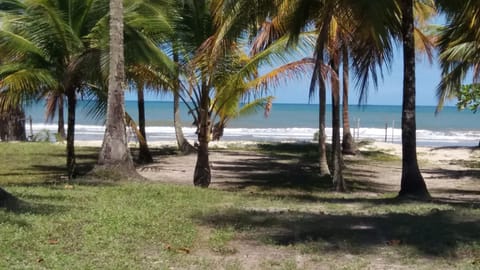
x,y
144,155
412,183
337,158
61,119
322,95
348,145
71,106
322,136
202,175
115,156
183,145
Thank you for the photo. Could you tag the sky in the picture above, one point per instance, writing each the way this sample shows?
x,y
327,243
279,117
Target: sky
x,y
389,91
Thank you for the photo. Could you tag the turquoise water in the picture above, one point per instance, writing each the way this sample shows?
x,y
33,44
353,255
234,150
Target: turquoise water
x,y
295,122
294,115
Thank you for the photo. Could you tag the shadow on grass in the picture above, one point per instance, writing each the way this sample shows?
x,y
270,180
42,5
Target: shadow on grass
x,y
454,174
285,165
16,205
268,173
435,234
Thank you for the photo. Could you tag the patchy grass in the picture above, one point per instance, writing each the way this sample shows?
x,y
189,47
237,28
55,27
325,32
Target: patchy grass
x,y
98,225
40,162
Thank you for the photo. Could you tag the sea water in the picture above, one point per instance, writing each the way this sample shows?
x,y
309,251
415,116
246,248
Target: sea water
x,y
286,122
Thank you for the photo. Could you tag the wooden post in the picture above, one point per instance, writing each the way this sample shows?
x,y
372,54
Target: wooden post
x,y
386,131
358,129
31,128
393,129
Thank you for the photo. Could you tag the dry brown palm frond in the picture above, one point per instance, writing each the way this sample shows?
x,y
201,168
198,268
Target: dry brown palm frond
x,y
270,31
425,44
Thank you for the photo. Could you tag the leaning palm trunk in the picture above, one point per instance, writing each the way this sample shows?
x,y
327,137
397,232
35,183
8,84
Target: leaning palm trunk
x,y
412,183
115,155
322,136
144,155
141,139
337,158
184,146
202,175
71,106
348,145
322,95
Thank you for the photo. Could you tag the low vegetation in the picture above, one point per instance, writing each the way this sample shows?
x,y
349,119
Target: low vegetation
x,y
88,224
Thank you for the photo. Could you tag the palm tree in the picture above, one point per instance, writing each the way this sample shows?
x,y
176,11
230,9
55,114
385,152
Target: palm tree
x,y
47,53
58,47
458,46
217,75
115,154
412,182
238,16
12,123
183,145
55,104
348,144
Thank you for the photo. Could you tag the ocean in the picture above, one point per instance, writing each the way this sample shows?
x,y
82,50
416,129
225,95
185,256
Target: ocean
x,y
286,122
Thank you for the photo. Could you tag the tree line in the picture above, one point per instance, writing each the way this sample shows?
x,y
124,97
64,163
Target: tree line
x,y
211,56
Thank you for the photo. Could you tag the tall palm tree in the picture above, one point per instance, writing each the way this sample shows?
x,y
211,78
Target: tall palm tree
x,y
183,145
115,154
412,182
58,47
349,146
218,74
369,31
274,18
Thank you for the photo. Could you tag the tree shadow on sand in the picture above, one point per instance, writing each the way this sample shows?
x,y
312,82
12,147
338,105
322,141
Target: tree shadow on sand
x,y
438,233
287,166
266,173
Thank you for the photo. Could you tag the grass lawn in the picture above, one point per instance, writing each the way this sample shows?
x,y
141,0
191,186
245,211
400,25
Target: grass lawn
x,y
144,225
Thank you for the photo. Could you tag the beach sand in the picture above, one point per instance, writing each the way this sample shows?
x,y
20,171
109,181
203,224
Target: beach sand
x,y
450,173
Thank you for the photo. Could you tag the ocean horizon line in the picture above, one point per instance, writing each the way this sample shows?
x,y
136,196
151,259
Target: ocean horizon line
x,y
313,103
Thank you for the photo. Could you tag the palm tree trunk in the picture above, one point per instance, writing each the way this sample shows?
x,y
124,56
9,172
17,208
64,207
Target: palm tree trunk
x,y
144,155
348,145
322,136
412,183
202,175
183,144
71,106
337,158
115,155
61,120
12,124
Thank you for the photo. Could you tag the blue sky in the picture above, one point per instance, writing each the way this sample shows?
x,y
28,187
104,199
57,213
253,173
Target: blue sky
x,y
389,90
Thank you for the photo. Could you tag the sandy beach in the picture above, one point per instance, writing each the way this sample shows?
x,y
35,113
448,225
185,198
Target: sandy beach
x,y
450,172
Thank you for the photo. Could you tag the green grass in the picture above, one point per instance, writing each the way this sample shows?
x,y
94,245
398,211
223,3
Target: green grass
x,y
121,225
